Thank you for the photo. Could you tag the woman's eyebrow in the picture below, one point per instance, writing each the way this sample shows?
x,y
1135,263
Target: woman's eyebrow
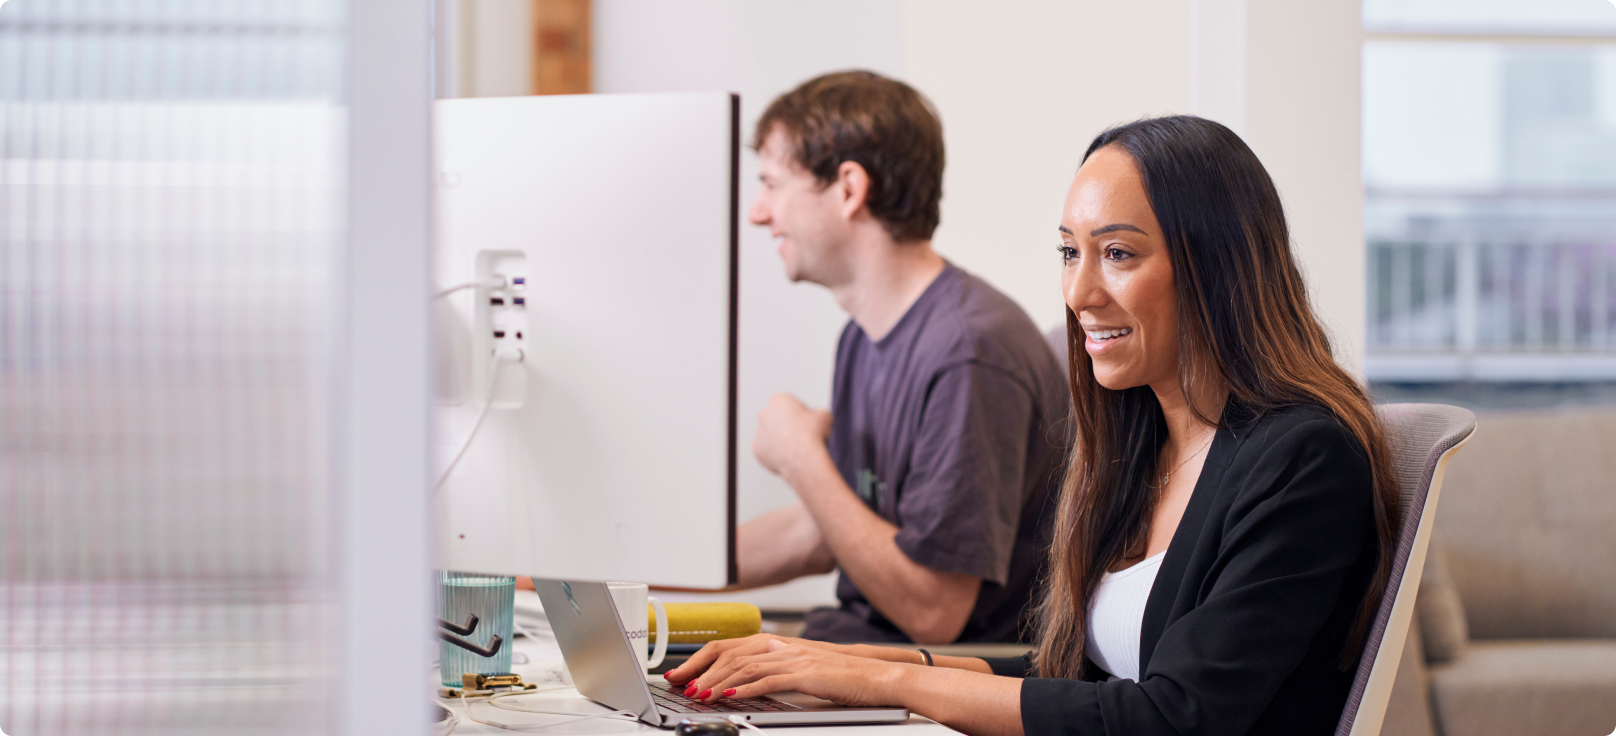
x,y
1096,232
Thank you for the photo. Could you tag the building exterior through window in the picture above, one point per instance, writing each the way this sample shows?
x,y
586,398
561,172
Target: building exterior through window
x,y
1490,191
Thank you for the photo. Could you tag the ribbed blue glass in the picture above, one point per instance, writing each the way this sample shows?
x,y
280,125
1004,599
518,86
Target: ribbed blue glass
x,y
492,600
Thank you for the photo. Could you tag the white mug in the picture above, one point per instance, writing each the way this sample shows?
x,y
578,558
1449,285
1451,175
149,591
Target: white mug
x,y
631,600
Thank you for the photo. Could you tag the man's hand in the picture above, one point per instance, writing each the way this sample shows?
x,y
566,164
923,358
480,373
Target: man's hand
x,y
790,435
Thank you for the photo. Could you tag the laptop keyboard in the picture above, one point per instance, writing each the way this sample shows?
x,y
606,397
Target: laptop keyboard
x,y
675,700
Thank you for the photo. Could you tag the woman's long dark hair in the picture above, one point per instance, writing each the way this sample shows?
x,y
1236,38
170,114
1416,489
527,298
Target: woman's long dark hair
x,y
1244,322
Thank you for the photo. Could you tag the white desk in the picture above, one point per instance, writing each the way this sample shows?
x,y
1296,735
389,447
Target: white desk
x,y
569,701
541,653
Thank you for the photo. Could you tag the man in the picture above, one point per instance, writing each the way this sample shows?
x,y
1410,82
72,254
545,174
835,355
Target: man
x,y
929,481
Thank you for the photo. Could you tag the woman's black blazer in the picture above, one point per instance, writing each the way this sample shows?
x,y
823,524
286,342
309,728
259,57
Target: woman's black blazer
x,y
1245,625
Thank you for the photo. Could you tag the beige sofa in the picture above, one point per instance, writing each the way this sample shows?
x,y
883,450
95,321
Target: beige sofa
x,y
1516,617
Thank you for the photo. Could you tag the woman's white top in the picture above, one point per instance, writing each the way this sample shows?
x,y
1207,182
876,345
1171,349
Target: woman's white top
x,y
1117,615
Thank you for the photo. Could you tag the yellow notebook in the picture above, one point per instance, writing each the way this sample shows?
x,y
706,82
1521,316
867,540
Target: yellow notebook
x,y
699,623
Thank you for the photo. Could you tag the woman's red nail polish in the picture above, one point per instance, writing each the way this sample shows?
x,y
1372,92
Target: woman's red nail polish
x,y
704,695
690,689
667,676
729,693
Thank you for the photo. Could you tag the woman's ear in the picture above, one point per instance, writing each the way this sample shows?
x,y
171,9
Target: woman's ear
x,y
852,187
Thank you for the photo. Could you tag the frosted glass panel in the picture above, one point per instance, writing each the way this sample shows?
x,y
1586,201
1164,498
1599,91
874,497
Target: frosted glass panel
x,y
171,199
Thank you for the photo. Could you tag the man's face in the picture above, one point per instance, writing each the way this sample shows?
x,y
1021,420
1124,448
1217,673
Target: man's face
x,y
805,217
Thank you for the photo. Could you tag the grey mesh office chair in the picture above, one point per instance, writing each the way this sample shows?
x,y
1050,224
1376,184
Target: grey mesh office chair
x,y
1423,437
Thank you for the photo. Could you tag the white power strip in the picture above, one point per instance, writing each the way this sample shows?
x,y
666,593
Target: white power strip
x,y
500,323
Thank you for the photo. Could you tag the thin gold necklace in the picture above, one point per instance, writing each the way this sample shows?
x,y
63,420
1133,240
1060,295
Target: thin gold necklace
x,y
1167,477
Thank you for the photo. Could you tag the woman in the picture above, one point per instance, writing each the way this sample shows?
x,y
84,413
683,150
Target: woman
x,y
1216,554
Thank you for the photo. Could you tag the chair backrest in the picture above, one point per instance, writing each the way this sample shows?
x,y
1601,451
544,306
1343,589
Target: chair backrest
x,y
1422,438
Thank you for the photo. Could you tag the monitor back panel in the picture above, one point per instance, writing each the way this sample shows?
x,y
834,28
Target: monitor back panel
x,y
617,430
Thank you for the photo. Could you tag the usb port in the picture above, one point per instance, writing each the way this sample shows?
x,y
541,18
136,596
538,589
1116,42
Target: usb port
x,y
519,280
497,301
518,300
498,334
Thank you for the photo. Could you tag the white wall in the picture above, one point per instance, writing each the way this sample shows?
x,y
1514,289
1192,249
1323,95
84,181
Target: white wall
x,y
1022,88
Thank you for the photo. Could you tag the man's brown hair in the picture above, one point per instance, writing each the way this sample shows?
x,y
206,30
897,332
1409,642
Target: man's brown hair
x,y
882,124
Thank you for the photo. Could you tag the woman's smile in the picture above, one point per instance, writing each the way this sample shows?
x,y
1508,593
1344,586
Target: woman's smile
x,y
1101,340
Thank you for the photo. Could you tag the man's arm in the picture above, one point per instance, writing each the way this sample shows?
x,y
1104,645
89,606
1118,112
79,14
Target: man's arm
x,y
928,605
781,546
774,548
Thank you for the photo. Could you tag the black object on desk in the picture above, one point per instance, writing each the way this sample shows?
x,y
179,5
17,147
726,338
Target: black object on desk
x,y
465,630
706,726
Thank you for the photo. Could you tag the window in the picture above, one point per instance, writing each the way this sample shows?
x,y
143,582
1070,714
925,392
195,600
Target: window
x,y
1490,205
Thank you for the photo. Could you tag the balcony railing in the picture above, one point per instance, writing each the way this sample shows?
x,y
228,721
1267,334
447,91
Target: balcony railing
x,y
1481,306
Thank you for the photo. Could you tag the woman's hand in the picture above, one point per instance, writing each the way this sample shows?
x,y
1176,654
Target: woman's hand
x,y
775,665
959,692
720,653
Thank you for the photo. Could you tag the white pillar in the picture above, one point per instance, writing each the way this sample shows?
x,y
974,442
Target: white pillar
x,y
382,387
1304,116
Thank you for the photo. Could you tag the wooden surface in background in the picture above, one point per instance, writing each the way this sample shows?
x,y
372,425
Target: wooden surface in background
x,y
561,47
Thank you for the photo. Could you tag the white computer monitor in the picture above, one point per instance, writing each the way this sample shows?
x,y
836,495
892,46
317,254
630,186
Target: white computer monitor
x,y
609,452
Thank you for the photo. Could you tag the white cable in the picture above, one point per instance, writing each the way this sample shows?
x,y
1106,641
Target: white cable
x,y
504,706
492,282
500,358
447,726
488,401
741,721
615,715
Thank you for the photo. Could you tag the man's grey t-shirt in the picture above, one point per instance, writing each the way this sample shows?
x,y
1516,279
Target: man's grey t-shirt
x,y
952,427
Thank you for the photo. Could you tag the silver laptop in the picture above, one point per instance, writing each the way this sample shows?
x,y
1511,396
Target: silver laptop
x,y
607,670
